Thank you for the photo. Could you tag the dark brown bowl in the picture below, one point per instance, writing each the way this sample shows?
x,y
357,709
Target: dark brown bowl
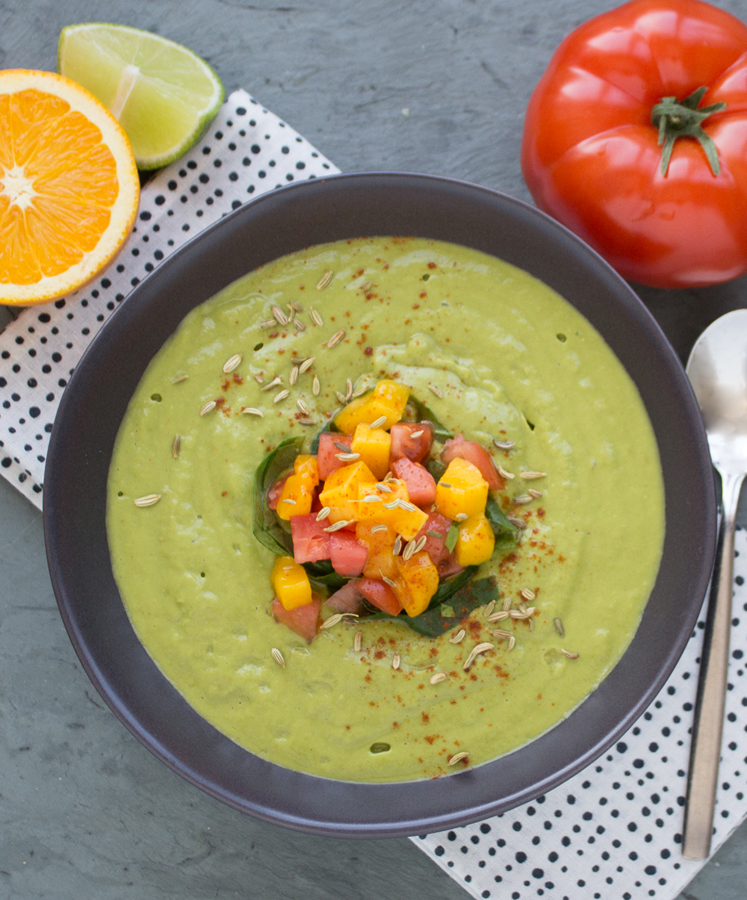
x,y
94,403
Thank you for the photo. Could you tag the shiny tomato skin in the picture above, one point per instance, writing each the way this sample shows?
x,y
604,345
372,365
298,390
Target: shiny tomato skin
x,y
589,151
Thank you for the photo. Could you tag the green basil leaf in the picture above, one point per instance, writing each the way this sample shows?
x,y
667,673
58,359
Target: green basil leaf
x,y
436,468
415,411
505,532
433,623
447,589
452,537
266,525
463,596
321,572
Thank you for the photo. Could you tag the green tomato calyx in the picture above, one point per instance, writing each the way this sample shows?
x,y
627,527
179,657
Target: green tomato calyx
x,y
676,119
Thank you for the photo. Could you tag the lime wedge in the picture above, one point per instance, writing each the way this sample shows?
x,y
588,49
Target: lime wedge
x,y
163,94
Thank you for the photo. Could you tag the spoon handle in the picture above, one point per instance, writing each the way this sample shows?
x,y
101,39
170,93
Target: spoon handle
x,y
705,749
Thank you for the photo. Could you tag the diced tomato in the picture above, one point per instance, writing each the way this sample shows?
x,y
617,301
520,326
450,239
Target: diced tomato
x,y
435,546
421,486
348,599
404,445
379,594
304,620
347,553
448,567
310,540
275,490
327,453
477,455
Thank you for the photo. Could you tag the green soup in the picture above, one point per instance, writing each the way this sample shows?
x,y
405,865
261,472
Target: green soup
x,y
497,355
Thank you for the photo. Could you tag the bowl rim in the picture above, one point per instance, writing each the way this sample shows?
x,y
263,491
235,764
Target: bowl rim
x,y
132,685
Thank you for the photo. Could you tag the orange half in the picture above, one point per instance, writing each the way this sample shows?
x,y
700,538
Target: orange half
x,y
69,186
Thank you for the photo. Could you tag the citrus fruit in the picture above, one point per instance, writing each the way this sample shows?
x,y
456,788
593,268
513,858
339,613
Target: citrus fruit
x,y
162,94
69,186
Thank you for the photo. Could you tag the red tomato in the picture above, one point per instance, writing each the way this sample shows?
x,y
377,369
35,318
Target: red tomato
x,y
304,620
420,484
330,444
590,154
406,445
310,540
348,599
435,530
478,456
347,553
379,594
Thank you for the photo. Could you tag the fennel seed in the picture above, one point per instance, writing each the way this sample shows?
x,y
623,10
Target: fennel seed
x,y
147,500
232,363
457,758
477,651
279,315
325,280
336,338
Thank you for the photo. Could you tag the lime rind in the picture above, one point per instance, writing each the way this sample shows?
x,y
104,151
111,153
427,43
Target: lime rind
x,y
162,93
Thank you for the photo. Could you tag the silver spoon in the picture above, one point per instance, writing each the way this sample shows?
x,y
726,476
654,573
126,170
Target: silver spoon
x,y
717,369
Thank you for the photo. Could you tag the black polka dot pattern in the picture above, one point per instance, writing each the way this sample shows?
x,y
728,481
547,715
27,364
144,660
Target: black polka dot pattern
x,y
246,152
614,831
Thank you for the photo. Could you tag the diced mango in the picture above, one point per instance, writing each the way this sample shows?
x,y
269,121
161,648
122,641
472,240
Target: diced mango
x,y
461,489
406,519
476,541
305,464
290,582
380,562
373,510
388,399
340,491
297,496
374,445
416,583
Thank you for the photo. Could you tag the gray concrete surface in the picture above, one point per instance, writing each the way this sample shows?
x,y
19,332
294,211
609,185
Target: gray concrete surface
x,y
85,812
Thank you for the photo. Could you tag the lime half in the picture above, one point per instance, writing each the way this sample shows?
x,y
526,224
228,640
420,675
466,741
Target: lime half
x,y
163,94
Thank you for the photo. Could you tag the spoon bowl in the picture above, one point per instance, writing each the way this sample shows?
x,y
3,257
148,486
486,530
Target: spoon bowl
x,y
717,369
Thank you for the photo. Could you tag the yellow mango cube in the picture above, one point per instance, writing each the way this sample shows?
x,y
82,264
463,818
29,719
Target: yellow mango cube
x,y
461,489
380,562
290,582
416,583
374,445
297,496
388,399
476,541
408,522
393,508
340,491
305,464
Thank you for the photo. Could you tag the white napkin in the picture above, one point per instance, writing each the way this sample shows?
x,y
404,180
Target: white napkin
x,y
610,832
247,151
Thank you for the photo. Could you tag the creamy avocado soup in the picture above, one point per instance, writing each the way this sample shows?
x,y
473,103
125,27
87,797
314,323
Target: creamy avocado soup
x,y
498,357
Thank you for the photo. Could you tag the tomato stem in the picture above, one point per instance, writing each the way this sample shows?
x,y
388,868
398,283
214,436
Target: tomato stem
x,y
676,119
